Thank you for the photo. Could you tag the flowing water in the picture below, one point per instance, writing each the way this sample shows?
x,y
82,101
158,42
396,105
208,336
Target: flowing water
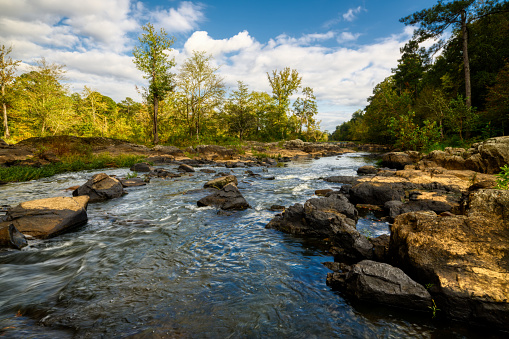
x,y
153,264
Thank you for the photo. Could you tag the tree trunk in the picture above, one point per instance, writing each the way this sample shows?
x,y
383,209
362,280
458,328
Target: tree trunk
x,y
7,134
466,62
156,107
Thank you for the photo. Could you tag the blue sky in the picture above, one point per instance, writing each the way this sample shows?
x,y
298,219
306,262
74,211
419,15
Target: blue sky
x,y
341,48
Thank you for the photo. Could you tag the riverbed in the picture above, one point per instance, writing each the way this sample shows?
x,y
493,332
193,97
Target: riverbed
x,y
153,262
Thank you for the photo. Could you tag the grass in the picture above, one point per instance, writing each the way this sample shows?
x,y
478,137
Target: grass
x,y
72,163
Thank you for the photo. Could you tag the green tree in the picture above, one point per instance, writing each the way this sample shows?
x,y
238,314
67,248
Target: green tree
x,y
497,108
240,112
284,84
305,109
459,14
7,69
200,91
411,67
151,57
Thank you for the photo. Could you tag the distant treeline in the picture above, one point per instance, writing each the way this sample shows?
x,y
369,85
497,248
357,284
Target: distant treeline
x,y
424,103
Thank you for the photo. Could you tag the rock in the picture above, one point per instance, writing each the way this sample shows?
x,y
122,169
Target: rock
x,y
343,179
397,160
141,167
275,208
11,237
464,257
172,150
100,187
397,207
228,198
376,193
221,182
387,285
163,173
367,170
323,193
206,170
380,247
46,218
294,144
133,182
220,151
333,217
186,168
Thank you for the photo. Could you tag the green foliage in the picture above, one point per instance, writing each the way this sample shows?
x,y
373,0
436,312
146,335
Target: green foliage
x,y
72,163
409,135
131,175
434,309
503,178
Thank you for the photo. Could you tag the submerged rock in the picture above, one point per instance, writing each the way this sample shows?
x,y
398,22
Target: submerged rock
x,y
141,167
100,187
46,218
228,198
11,237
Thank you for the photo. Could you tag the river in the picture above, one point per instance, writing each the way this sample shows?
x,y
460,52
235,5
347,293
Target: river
x,y
152,263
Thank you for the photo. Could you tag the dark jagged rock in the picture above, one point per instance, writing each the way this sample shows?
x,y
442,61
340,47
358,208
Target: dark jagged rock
x,y
228,198
276,208
397,160
46,218
163,173
381,283
397,207
333,217
342,179
100,187
380,247
324,192
141,167
206,170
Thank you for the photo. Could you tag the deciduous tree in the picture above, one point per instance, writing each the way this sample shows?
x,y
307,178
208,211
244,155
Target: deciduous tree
x,y
7,69
151,57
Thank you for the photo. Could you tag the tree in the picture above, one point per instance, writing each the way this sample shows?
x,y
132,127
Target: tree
x,y
200,91
7,69
411,67
459,14
240,112
498,101
305,109
284,83
151,57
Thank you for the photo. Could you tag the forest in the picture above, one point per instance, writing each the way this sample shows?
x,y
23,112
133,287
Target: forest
x,y
183,105
452,94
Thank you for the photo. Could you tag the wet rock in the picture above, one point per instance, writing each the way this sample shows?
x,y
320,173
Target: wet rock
x,y
172,150
465,257
100,187
133,182
324,192
46,218
333,217
163,173
206,170
186,168
382,283
397,160
276,208
228,198
141,167
221,182
367,170
11,237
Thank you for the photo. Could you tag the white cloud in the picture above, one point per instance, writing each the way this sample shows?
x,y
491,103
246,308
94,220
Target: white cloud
x,y
183,19
352,13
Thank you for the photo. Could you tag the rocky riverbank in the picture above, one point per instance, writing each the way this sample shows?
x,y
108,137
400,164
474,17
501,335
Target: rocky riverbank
x,y
448,249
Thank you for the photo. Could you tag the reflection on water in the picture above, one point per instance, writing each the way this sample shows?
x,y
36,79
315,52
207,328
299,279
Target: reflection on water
x,y
152,261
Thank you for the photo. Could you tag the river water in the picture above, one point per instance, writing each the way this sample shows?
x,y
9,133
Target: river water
x,y
152,264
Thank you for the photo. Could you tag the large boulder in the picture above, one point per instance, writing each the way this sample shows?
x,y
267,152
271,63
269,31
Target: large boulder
x,y
397,160
172,150
100,187
333,217
381,283
221,182
464,257
141,167
46,218
228,198
376,193
397,207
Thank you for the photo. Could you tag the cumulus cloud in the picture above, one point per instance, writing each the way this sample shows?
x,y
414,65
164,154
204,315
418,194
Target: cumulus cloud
x,y
183,19
351,14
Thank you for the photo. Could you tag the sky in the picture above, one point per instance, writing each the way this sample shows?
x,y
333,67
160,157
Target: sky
x,y
341,48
